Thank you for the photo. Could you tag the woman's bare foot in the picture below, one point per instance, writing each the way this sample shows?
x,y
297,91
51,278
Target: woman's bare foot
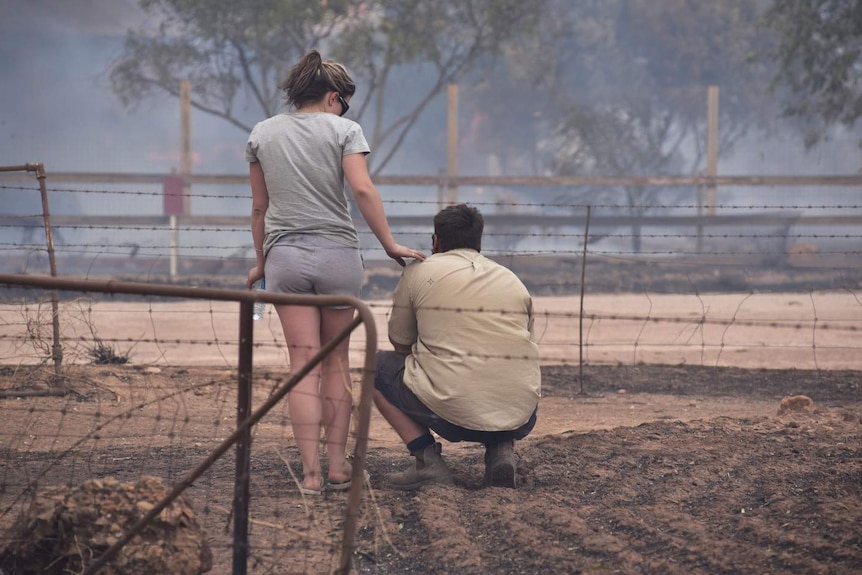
x,y
341,479
312,484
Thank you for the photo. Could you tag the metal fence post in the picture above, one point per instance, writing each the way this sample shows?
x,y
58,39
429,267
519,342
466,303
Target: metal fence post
x,y
56,348
243,445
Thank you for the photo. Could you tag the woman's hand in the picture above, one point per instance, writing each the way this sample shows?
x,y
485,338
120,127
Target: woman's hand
x,y
254,276
399,252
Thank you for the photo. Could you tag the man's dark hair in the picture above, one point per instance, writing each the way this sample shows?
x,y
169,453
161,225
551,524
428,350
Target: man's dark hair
x,y
459,227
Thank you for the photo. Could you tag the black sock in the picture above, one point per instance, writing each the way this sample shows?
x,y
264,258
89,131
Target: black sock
x,y
420,443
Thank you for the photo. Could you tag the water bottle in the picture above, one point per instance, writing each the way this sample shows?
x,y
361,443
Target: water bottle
x,y
259,306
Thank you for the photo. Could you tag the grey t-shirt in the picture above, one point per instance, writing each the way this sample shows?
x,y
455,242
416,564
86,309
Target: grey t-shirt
x,y
300,155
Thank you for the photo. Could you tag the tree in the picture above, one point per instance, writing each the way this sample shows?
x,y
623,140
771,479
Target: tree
x,y
818,51
629,140
235,54
620,88
619,52
445,38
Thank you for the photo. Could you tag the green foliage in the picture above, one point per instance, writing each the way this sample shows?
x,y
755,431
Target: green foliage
x,y
818,51
226,50
233,52
446,39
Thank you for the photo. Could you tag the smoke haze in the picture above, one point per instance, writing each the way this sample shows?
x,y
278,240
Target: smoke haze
x,y
56,106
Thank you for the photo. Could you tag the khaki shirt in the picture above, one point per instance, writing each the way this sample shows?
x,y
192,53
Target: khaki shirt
x,y
469,322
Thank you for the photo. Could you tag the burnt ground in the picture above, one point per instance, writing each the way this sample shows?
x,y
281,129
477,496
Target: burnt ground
x,y
647,469
722,494
631,469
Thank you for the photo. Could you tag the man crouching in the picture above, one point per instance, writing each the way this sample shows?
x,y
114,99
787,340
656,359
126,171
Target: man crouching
x,y
465,364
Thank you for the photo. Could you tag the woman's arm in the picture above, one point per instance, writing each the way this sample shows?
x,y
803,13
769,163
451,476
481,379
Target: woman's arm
x,y
371,206
259,205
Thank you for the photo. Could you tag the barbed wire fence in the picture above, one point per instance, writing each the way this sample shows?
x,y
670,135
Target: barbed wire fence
x,y
149,384
746,247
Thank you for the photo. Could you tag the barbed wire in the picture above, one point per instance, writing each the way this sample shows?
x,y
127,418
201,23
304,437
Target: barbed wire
x,y
169,414
495,253
833,324
408,232
543,357
566,359
153,249
681,257
490,234
387,307
500,203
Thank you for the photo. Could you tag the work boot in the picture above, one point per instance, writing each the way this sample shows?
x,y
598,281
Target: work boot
x,y
429,468
500,464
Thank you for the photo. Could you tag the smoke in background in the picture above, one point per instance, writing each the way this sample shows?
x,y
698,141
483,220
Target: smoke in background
x,y
56,107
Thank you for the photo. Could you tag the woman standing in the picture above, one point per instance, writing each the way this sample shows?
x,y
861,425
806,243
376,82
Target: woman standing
x,y
306,243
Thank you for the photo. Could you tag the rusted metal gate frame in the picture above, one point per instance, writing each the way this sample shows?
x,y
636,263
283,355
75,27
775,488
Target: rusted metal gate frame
x,y
241,437
56,348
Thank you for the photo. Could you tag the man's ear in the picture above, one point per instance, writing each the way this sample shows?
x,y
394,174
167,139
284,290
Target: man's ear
x,y
435,245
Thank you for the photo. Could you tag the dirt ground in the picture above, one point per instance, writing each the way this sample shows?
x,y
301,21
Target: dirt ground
x,y
631,469
666,453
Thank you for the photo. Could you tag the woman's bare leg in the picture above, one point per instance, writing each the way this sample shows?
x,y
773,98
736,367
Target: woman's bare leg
x,y
302,328
336,391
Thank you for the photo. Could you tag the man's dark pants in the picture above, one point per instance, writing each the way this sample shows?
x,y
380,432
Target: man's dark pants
x,y
389,380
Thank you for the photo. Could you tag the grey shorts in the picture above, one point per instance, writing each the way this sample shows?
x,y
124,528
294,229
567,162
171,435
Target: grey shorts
x,y
389,380
313,265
